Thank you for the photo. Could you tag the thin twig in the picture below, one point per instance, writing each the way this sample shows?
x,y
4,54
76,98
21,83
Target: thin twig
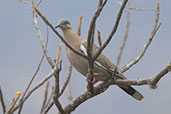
x,y
79,25
155,28
49,103
2,101
39,3
35,74
40,36
99,38
58,55
67,80
124,38
47,77
45,97
113,30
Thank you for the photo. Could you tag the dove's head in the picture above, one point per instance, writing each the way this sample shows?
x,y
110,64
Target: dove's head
x,y
64,24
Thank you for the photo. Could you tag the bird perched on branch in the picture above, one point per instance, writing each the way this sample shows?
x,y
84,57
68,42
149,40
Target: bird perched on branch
x,y
103,67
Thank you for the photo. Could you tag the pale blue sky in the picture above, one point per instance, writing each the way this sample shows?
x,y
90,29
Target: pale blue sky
x,y
21,52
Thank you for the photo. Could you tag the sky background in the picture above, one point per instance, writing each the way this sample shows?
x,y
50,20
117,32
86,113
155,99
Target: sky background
x,y
20,53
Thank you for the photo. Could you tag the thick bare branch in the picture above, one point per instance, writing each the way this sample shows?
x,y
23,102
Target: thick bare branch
x,y
155,28
90,41
103,87
85,96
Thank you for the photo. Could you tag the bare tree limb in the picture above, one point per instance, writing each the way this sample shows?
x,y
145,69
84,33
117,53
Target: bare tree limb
x,y
103,87
160,75
151,81
113,30
56,75
40,36
2,101
155,28
90,41
45,96
85,96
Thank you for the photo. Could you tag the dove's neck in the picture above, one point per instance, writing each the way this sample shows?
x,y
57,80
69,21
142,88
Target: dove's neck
x,y
70,36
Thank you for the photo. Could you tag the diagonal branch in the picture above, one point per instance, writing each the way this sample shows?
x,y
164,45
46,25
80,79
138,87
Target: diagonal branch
x,y
40,36
113,30
155,28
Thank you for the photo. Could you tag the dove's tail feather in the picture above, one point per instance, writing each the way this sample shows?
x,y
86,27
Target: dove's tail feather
x,y
132,92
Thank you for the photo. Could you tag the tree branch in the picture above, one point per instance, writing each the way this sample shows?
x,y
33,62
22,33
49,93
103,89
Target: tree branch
x,y
90,41
45,97
155,28
151,81
40,36
113,30
124,38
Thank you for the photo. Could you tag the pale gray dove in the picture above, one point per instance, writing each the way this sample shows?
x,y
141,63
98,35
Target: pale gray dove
x,y
103,67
